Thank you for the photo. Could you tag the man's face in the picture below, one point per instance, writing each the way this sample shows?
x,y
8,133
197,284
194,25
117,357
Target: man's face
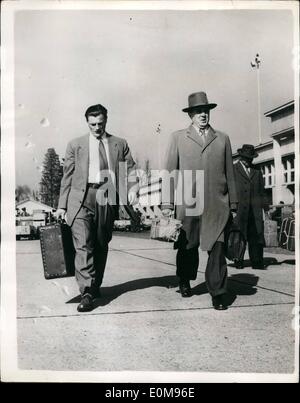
x,y
247,161
97,124
200,117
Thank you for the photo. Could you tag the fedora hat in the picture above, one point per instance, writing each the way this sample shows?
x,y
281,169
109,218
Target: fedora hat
x,y
198,99
247,151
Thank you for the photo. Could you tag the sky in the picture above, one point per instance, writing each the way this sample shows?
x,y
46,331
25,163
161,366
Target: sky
x,y
142,65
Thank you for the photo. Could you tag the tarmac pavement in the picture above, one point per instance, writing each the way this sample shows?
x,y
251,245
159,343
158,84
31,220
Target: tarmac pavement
x,y
142,323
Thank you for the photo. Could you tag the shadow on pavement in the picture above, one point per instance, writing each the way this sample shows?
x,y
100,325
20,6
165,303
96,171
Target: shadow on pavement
x,y
238,284
243,284
289,261
111,293
268,261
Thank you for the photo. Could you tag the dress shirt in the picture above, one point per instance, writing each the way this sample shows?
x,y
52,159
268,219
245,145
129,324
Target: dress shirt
x,y
202,132
247,169
94,163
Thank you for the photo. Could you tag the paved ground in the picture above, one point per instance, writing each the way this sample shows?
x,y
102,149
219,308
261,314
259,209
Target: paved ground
x,y
143,324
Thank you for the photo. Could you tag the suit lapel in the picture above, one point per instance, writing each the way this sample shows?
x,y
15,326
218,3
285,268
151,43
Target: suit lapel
x,y
210,136
242,171
113,151
84,151
193,135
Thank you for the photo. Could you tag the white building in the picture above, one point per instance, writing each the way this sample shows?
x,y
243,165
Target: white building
x,y
277,156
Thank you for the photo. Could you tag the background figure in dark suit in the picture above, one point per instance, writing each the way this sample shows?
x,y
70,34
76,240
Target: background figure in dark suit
x,y
201,148
92,163
250,186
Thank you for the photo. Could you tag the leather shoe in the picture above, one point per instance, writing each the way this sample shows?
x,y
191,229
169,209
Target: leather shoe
x,y
185,289
96,294
219,303
86,303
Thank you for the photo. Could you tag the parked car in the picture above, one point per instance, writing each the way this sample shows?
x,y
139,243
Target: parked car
x,y
122,225
25,228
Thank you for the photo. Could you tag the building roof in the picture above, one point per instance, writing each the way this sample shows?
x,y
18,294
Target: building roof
x,y
280,109
42,205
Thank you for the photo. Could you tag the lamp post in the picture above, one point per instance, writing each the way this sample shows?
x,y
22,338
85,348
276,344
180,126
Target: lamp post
x,y
158,131
255,64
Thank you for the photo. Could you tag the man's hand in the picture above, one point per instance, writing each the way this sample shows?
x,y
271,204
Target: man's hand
x,y
61,213
167,212
132,197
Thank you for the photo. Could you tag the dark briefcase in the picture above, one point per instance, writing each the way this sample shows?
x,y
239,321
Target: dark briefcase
x,y
57,250
235,243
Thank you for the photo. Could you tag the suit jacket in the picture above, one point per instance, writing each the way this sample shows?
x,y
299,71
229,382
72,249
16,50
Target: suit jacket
x,y
76,166
251,195
187,152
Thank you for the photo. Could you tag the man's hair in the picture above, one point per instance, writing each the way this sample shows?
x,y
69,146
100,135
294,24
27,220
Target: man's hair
x,y
95,110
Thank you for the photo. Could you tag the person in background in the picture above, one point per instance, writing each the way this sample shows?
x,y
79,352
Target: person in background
x,y
24,212
252,202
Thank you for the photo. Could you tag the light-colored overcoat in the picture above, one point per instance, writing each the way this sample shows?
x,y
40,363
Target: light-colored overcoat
x,y
76,168
186,151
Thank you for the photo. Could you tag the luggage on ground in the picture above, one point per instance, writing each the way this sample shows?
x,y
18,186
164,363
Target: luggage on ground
x,y
57,250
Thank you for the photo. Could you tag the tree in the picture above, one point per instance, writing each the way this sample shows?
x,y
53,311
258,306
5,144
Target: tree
x,y
51,178
22,192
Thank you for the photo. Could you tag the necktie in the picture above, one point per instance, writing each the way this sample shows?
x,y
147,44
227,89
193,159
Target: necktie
x,y
103,163
202,135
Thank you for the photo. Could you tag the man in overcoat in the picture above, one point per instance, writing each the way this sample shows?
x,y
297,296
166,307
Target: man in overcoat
x,y
89,196
200,147
252,202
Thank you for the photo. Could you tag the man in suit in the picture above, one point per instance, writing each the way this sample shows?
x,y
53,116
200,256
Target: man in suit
x,y
250,187
201,148
89,198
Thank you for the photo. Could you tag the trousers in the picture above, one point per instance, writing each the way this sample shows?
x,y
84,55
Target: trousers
x,y
187,261
255,247
92,232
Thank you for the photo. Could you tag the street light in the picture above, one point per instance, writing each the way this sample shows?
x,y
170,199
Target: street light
x,y
158,131
255,64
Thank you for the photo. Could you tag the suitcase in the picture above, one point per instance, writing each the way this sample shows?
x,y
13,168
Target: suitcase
x,y
271,239
270,233
57,250
165,229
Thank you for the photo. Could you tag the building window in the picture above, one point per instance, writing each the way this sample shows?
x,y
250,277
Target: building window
x,y
289,169
268,173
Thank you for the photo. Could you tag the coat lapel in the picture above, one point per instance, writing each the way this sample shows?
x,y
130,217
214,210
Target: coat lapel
x,y
252,173
242,171
193,135
211,135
